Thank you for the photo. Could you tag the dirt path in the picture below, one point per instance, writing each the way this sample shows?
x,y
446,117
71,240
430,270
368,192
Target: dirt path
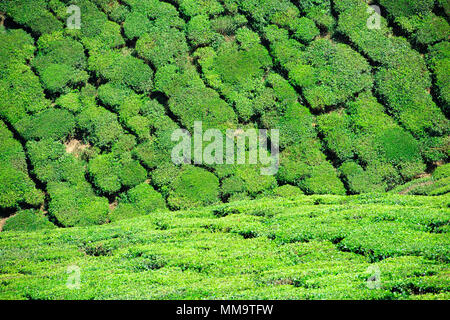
x,y
2,223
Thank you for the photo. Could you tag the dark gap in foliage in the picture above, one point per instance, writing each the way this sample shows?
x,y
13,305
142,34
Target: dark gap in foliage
x,y
9,23
95,250
7,212
440,12
398,32
248,234
413,289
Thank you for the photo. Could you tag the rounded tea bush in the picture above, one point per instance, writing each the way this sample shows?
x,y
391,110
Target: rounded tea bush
x,y
28,220
193,187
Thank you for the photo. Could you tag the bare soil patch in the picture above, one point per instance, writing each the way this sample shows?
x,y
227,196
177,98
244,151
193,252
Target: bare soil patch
x,y
2,223
75,146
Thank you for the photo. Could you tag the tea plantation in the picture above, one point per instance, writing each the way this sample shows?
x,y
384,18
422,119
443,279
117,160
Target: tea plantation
x,y
306,247
92,91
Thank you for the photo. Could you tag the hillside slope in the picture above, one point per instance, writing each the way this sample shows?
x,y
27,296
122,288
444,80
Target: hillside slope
x,y
308,247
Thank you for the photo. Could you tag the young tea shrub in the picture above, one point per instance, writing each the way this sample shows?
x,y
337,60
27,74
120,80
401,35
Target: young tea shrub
x,y
199,30
193,8
320,11
22,94
305,30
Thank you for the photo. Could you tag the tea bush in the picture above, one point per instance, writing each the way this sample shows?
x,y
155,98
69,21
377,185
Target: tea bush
x,y
140,200
15,184
28,220
192,187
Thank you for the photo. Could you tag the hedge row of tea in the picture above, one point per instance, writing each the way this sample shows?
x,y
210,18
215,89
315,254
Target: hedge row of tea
x,y
354,105
310,247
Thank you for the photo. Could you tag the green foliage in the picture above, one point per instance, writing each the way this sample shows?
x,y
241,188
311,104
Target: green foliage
x,y
287,191
191,187
60,62
99,126
305,166
437,184
96,32
76,205
162,14
409,101
140,200
33,14
136,24
22,94
16,187
305,30
52,123
27,220
171,78
382,148
227,25
112,171
123,68
359,180
403,81
280,12
215,68
201,104
237,69
444,5
51,162
442,172
199,30
328,245
113,8
248,180
417,19
17,46
70,101
337,74
193,8
319,11
162,46
138,113
438,60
